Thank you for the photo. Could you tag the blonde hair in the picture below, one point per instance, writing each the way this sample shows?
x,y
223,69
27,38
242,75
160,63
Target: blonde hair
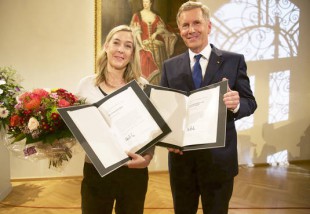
x,y
132,71
189,5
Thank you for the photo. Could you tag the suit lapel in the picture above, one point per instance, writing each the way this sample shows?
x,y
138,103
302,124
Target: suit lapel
x,y
214,64
186,71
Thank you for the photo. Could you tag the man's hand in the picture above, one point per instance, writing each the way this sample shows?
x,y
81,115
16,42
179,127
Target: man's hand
x,y
231,99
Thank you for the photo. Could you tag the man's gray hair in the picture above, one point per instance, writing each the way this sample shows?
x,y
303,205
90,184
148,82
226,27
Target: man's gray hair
x,y
189,5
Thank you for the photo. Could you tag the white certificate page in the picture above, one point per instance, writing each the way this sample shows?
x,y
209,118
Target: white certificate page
x,y
129,120
202,117
172,107
96,132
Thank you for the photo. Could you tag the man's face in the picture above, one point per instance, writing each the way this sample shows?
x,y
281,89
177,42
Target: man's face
x,y
194,29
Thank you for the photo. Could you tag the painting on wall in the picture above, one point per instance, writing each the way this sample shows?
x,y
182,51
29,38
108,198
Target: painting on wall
x,y
154,28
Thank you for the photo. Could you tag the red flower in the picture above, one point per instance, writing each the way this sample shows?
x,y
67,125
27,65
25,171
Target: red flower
x,y
55,116
27,112
64,94
61,91
15,120
32,104
32,100
45,126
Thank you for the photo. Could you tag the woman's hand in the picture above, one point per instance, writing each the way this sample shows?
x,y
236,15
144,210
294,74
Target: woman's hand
x,y
138,161
177,151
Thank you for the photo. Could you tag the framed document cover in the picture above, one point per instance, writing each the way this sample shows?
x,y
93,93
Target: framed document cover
x,y
124,120
197,118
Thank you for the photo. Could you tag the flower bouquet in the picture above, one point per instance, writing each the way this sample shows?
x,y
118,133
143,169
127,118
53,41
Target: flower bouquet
x,y
36,126
9,90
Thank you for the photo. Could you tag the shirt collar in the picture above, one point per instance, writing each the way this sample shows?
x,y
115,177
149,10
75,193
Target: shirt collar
x,y
205,53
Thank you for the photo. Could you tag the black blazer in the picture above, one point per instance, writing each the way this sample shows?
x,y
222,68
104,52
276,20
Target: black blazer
x,y
222,64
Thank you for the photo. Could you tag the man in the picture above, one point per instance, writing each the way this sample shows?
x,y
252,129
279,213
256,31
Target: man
x,y
208,173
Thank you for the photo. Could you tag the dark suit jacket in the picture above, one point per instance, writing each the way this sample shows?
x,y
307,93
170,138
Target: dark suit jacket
x,y
177,74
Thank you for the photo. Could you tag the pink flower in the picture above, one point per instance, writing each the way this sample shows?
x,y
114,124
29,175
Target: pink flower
x,y
63,103
40,92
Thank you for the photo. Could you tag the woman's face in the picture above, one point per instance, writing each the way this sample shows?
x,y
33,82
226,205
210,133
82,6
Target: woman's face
x,y
120,50
147,4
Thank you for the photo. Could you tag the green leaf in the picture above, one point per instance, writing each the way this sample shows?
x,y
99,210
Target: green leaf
x,y
19,137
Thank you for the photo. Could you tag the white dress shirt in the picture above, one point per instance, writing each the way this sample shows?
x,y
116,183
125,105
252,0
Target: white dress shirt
x,y
203,60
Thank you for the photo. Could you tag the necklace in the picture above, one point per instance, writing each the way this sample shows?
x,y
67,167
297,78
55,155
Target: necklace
x,y
114,83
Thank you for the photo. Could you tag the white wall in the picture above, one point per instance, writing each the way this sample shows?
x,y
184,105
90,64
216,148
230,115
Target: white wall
x,y
51,44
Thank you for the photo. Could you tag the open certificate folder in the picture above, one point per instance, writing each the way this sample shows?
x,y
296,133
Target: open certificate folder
x,y
197,118
125,120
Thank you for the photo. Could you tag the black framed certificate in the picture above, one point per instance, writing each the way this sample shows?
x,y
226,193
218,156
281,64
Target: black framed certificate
x,y
197,118
124,120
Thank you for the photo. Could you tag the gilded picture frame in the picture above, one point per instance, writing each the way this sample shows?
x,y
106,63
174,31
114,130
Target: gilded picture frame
x,y
109,14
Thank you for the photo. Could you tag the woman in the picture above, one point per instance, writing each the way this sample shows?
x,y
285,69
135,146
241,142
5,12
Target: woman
x,y
155,42
116,66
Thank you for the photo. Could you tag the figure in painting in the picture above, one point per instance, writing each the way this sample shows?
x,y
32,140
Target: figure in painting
x,y
155,42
